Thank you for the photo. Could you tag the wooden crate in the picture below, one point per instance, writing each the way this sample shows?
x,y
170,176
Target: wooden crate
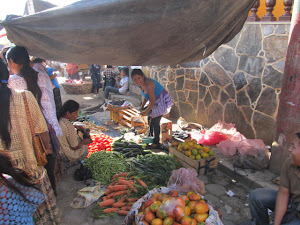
x,y
202,166
126,117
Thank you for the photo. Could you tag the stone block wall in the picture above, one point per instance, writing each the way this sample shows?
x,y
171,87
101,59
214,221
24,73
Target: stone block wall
x,y
239,83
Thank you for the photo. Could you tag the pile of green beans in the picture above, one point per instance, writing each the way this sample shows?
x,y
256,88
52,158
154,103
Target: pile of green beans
x,y
104,165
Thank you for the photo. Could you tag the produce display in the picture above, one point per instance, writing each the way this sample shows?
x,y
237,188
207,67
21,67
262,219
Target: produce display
x,y
104,165
101,142
172,209
94,128
120,195
128,149
159,167
193,150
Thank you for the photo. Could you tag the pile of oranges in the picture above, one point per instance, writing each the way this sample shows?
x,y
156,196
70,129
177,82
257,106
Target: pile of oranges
x,y
171,209
193,150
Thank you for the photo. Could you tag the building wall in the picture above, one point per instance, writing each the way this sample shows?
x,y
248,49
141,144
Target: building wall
x,y
239,83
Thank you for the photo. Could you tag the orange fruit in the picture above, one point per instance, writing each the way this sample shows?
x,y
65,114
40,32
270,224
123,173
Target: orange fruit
x,y
194,197
185,198
149,216
192,204
155,206
187,211
201,208
168,221
201,217
180,201
185,220
174,193
150,202
160,197
157,221
155,195
189,193
161,213
178,212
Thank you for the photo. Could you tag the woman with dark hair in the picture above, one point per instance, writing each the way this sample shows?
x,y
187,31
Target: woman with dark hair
x,y
73,146
160,102
19,193
26,78
16,138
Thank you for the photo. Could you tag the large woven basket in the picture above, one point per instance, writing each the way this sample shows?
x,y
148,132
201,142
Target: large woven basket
x,y
78,89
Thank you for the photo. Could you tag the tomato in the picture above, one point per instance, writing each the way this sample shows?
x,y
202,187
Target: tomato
x,y
101,142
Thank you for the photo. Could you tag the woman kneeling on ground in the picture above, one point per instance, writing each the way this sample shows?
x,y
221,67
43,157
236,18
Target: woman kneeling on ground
x,y
73,147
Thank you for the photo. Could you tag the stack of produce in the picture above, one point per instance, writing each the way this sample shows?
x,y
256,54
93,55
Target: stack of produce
x,y
94,128
129,149
193,150
121,194
101,142
104,165
172,209
159,167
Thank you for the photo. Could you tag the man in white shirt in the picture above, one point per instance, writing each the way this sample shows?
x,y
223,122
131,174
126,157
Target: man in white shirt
x,y
122,85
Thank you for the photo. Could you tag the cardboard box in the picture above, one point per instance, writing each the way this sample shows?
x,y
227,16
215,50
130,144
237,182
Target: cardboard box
x,y
202,166
165,130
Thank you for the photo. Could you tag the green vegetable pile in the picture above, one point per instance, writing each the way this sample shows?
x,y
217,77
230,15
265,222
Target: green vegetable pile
x,y
104,165
159,167
128,149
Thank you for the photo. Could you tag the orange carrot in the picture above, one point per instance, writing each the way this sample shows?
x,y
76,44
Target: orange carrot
x,y
119,188
106,203
122,200
107,192
110,195
126,208
142,183
135,190
121,178
132,199
104,198
110,210
127,183
123,212
118,193
130,203
123,174
118,204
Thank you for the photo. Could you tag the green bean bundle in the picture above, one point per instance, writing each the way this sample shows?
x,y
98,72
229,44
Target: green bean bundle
x,y
104,165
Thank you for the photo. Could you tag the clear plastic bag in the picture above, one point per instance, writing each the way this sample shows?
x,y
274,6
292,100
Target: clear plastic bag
x,y
184,180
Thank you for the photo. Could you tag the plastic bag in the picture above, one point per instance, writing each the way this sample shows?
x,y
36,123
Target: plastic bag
x,y
87,196
184,180
208,137
133,215
249,147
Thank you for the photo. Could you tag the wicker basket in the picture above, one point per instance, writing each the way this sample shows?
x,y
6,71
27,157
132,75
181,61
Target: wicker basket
x,y
78,89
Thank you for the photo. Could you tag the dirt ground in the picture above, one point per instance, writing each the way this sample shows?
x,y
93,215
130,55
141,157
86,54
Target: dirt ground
x,y
68,187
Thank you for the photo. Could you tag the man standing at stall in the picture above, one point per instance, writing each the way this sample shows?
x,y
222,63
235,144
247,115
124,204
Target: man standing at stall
x,y
286,201
109,77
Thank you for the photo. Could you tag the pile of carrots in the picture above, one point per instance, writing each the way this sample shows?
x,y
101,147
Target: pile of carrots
x,y
121,194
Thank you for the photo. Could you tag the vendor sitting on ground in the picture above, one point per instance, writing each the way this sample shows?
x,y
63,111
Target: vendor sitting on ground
x,y
122,85
73,144
286,201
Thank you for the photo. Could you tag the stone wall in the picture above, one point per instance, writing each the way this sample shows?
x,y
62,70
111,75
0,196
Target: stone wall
x,y
239,83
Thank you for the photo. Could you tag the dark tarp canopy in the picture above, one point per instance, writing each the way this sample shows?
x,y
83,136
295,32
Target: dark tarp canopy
x,y
130,32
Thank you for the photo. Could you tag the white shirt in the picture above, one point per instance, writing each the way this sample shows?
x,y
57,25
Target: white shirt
x,y
47,99
124,85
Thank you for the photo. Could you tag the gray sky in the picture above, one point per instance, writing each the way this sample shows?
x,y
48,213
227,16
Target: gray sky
x,y
17,6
